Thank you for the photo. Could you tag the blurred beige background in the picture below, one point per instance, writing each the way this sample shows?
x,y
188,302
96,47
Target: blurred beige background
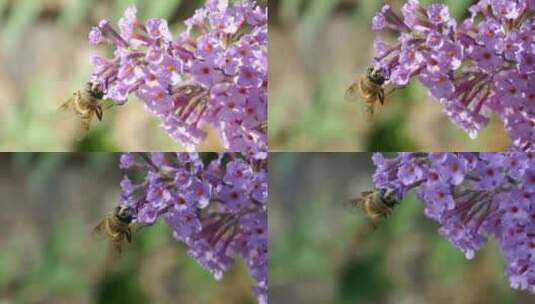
x,y
44,58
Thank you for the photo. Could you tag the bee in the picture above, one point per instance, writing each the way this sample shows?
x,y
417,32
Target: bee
x,y
86,104
117,227
376,204
369,88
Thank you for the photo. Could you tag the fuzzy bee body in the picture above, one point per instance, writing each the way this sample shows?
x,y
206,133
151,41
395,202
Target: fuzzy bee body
x,y
376,205
86,104
369,88
117,228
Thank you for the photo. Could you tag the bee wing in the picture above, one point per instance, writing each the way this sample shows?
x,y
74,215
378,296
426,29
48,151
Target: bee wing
x,y
67,105
366,107
104,228
100,229
65,112
362,234
115,239
352,93
73,107
352,205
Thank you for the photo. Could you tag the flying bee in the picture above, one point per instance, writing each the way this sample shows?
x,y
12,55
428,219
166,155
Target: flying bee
x,y
86,104
117,227
369,89
376,205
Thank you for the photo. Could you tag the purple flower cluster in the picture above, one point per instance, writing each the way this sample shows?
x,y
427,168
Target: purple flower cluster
x,y
473,196
484,64
216,207
214,73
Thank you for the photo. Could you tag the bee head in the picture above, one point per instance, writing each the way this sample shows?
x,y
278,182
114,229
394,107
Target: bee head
x,y
95,90
389,197
376,75
124,214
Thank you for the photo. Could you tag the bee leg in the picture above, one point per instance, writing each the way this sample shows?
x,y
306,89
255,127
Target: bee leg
x,y
98,229
128,234
392,90
381,95
98,111
374,223
116,249
64,106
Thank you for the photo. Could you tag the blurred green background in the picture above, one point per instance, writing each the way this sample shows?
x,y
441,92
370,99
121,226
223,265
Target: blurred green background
x,y
317,48
44,58
50,203
314,257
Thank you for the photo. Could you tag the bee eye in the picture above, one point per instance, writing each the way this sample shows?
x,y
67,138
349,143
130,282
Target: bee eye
x,y
125,213
391,197
389,194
